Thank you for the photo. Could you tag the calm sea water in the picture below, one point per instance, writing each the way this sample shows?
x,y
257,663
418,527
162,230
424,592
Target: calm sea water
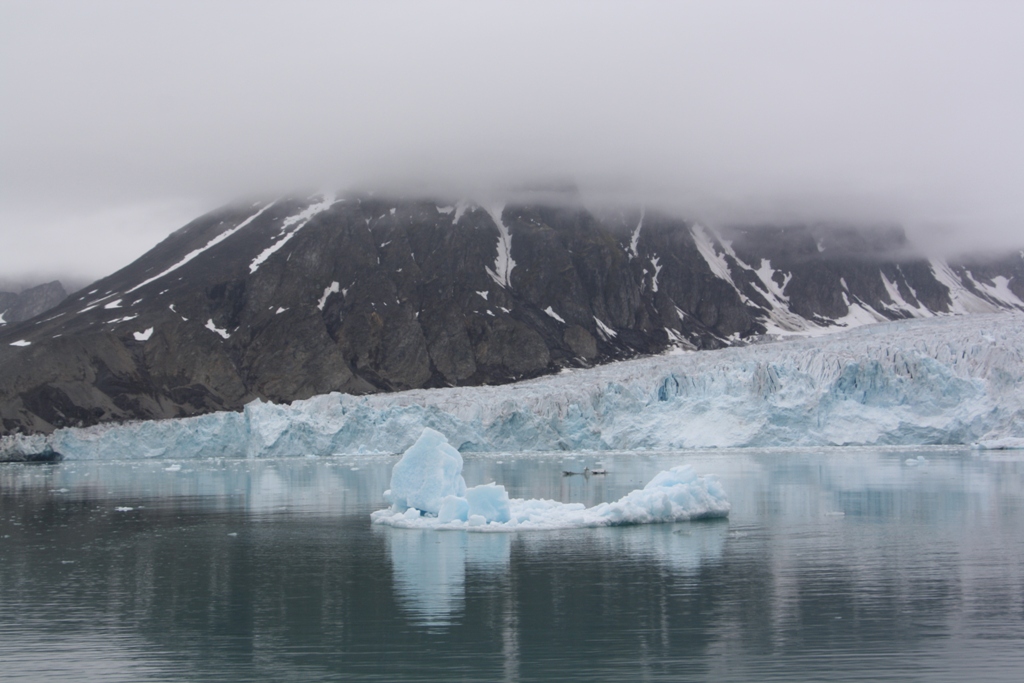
x,y
834,565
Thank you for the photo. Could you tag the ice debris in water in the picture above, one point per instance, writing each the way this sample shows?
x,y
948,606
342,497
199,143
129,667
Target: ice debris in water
x,y
428,492
914,462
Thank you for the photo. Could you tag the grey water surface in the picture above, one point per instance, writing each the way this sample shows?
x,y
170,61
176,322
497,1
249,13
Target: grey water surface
x,y
843,564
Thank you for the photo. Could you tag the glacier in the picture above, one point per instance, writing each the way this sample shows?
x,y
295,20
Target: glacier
x,y
428,492
934,381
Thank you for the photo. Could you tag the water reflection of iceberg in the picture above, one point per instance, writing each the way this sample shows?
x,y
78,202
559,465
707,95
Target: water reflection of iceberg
x,y
676,547
430,567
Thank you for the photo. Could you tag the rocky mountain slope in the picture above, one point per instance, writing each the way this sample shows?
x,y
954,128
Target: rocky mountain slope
x,y
30,302
361,294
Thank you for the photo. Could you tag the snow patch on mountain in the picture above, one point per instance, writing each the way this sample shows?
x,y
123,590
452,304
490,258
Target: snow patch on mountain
x,y
962,300
460,208
196,252
213,328
998,290
655,264
706,246
333,288
551,313
634,239
503,262
290,226
901,304
605,331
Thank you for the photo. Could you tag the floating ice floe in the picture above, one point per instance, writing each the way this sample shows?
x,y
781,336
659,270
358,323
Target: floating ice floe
x,y
428,492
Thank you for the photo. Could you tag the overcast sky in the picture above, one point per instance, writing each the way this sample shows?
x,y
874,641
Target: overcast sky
x,y
121,121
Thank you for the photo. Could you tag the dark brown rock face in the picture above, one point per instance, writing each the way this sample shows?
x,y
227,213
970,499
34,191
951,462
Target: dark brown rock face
x,y
286,300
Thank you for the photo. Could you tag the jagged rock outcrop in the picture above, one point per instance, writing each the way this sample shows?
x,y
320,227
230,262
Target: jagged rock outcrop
x,y
298,297
15,308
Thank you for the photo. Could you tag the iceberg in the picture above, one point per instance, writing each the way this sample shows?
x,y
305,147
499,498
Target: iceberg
x,y
429,471
936,381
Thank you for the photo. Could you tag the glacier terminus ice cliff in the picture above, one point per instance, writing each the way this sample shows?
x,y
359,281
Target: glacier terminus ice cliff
x,y
428,492
937,381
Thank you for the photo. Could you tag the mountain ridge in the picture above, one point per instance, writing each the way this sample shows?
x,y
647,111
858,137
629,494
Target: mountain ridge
x,y
361,294
16,307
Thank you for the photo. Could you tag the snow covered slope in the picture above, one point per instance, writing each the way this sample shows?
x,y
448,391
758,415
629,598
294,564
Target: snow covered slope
x,y
951,380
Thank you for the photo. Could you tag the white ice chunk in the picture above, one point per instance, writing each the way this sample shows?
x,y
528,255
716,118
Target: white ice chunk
x,y
430,470
21,342
672,496
144,336
490,501
452,508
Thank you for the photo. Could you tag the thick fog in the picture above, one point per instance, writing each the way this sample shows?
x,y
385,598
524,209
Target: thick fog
x,y
123,120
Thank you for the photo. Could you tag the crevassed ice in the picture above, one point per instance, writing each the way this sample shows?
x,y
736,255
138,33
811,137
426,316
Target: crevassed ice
x,y
946,380
428,492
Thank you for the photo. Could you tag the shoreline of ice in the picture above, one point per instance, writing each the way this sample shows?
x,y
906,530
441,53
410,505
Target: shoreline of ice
x,y
940,381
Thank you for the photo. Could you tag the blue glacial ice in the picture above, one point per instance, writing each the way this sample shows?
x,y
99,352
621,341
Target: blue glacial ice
x,y
951,380
427,472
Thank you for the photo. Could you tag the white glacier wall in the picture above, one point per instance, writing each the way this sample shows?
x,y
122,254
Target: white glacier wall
x,y
951,380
